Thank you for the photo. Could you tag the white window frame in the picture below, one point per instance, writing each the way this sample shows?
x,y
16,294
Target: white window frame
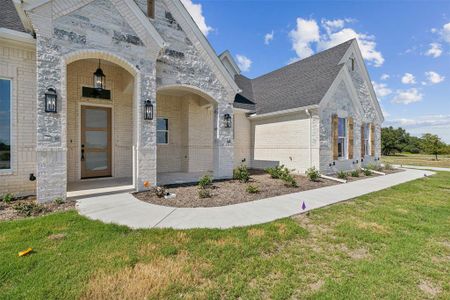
x,y
367,144
344,138
167,130
11,142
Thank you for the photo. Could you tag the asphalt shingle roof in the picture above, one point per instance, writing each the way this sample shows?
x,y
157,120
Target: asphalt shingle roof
x,y
9,17
299,84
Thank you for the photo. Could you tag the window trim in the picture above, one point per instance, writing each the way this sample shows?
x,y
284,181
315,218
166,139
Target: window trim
x,y
10,170
367,144
167,131
345,138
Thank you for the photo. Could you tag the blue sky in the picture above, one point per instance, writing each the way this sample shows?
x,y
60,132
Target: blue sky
x,y
406,45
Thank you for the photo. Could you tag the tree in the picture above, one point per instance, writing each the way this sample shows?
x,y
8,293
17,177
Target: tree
x,y
432,144
393,140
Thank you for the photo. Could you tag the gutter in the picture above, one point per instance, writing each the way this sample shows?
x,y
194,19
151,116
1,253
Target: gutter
x,y
282,112
17,36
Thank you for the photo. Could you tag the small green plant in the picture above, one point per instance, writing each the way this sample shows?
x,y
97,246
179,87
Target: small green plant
x,y
375,167
29,209
355,173
289,180
313,174
278,172
388,166
205,182
367,172
59,201
241,173
204,193
7,198
342,175
252,189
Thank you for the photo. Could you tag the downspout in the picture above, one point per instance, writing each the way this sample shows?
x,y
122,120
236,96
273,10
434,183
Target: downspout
x,y
308,113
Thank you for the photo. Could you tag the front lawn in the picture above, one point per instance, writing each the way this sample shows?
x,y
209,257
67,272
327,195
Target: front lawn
x,y
418,160
390,244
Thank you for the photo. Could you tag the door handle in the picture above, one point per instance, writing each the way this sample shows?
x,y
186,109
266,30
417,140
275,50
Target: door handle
x,y
82,154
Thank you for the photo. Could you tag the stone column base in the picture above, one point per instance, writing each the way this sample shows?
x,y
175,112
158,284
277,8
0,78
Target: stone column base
x,y
51,174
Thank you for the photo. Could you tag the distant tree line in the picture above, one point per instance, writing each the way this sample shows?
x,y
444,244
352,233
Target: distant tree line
x,y
396,140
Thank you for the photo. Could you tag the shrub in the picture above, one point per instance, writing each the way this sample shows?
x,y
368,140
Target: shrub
x,y
58,201
29,209
241,173
252,189
342,175
289,180
7,198
278,172
204,193
355,173
367,172
313,174
374,167
388,166
205,182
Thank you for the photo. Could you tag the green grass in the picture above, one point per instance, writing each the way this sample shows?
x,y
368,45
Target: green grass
x,y
390,244
418,160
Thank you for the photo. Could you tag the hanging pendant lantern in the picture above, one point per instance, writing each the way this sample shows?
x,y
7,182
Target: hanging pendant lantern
x,y
99,78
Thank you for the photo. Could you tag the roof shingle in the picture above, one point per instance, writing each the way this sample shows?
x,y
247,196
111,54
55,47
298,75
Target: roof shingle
x,y
9,18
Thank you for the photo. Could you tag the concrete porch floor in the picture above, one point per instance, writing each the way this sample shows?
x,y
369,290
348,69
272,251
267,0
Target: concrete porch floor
x,y
104,186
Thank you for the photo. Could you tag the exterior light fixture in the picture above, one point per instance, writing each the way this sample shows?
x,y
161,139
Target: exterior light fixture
x,y
148,110
227,120
51,101
99,78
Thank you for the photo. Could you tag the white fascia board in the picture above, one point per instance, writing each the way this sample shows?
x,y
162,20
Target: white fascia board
x,y
227,55
17,36
283,112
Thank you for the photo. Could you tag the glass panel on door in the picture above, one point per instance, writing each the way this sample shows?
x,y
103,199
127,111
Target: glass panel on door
x,y
95,142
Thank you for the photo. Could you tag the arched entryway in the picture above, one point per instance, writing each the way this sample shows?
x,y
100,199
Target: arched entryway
x,y
101,135
185,134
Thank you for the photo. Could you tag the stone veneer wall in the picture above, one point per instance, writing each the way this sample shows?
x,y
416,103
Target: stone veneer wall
x,y
342,105
182,64
120,83
96,30
18,63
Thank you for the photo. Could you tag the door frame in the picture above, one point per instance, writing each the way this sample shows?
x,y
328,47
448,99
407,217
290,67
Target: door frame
x,y
110,106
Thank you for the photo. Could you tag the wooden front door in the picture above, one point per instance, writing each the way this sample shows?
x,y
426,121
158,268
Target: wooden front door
x,y
95,141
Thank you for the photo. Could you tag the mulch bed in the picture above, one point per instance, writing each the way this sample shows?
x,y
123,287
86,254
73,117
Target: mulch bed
x,y
28,207
228,192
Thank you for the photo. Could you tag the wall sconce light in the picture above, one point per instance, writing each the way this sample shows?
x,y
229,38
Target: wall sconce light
x,y
227,120
51,101
148,110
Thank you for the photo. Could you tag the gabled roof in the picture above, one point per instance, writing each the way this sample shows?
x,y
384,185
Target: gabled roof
x,y
303,83
9,18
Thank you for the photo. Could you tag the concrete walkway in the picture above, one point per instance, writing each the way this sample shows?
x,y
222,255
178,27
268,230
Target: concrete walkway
x,y
126,210
423,168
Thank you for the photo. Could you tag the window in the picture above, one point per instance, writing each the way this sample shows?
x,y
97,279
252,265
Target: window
x,y
342,138
151,9
353,63
162,131
5,124
367,139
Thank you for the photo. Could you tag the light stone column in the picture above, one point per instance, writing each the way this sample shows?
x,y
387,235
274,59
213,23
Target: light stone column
x,y
146,129
51,146
223,143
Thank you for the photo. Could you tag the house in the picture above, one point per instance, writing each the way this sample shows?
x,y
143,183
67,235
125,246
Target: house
x,y
132,90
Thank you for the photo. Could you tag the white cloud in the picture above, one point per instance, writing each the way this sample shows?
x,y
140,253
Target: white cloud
x,y
306,32
385,76
268,37
435,50
408,78
195,10
445,32
407,96
381,89
434,77
244,63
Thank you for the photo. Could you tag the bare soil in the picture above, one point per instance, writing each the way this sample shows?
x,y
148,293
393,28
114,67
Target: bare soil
x,y
226,192
28,207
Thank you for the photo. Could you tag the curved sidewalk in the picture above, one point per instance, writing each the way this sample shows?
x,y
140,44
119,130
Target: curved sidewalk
x,y
124,209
